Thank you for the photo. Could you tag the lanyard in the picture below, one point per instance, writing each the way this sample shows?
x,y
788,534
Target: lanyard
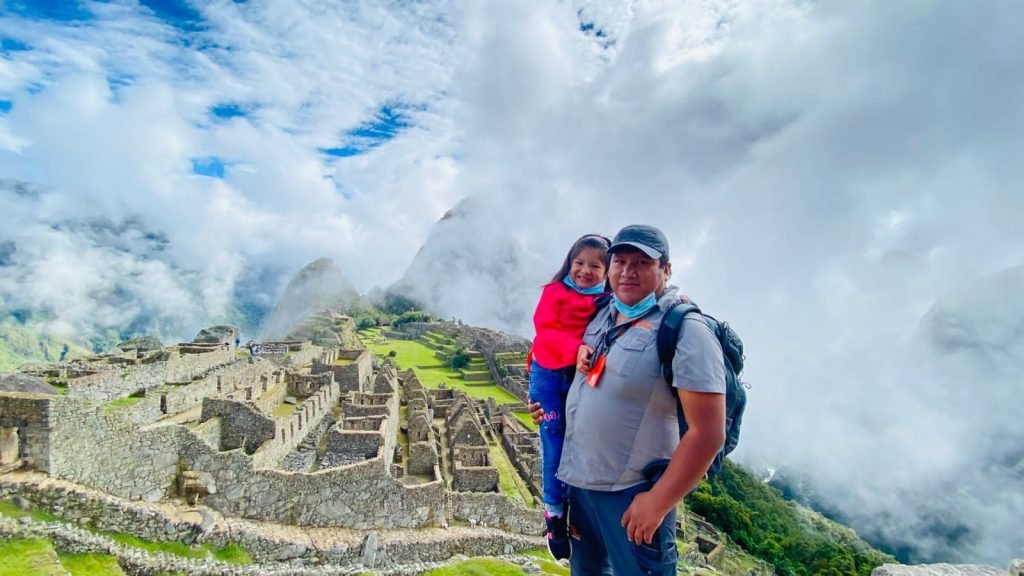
x,y
604,344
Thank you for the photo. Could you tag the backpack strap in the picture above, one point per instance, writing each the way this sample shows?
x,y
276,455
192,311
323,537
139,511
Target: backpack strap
x,y
669,332
668,336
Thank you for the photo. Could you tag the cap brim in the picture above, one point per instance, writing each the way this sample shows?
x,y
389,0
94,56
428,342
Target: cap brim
x,y
641,247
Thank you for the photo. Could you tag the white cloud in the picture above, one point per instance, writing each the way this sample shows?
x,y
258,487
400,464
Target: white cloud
x,y
827,173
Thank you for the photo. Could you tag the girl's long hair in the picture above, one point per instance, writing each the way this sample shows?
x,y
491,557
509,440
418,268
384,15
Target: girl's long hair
x,y
589,241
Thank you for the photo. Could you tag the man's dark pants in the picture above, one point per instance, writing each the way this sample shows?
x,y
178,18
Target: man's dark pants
x,y
599,544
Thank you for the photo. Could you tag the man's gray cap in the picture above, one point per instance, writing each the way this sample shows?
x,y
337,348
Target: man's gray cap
x,y
647,239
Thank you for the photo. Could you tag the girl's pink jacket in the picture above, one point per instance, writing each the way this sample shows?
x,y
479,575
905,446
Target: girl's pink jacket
x,y
561,317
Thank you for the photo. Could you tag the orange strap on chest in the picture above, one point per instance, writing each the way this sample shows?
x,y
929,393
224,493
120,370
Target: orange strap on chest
x,y
596,370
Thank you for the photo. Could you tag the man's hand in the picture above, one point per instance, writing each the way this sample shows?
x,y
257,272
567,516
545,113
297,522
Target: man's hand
x,y
643,517
536,413
583,358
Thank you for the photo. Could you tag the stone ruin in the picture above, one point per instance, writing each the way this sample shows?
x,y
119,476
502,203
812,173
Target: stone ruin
x,y
314,438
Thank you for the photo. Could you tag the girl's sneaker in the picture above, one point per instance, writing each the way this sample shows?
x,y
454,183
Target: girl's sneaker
x,y
558,536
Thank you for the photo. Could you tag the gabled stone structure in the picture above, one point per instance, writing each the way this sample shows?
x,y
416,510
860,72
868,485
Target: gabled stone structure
x,y
472,469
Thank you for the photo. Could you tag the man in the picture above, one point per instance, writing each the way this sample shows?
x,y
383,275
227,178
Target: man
x,y
621,417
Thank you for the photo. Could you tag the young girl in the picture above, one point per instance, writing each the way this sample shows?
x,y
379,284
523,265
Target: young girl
x,y
563,312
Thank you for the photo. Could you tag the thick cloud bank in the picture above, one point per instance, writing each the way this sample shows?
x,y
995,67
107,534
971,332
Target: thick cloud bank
x,y
839,180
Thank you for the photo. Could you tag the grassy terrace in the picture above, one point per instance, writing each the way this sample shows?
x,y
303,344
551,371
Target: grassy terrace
x,y
509,481
525,419
428,368
119,403
37,556
284,410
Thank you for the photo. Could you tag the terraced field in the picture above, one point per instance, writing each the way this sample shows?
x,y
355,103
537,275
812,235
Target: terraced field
x,y
423,358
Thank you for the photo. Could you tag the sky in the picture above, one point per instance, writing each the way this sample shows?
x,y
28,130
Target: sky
x,y
839,180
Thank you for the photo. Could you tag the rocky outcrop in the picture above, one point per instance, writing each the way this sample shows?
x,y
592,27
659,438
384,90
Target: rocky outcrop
x,y
25,384
469,267
318,286
146,344
217,335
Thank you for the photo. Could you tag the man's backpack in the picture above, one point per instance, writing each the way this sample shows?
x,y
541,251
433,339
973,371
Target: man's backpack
x,y
732,351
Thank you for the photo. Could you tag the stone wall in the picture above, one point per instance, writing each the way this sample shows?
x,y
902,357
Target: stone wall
x,y
358,438
291,431
151,522
110,452
360,405
267,402
242,426
210,432
473,471
352,377
180,366
496,510
423,458
101,511
308,384
221,381
28,418
301,354
361,496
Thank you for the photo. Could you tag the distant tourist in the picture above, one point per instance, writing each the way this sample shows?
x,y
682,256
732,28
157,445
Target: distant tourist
x,y
621,426
565,307
238,342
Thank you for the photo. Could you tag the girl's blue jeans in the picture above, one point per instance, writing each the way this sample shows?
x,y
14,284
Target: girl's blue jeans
x,y
549,388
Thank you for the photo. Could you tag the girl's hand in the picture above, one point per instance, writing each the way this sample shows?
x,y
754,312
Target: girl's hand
x,y
583,358
536,413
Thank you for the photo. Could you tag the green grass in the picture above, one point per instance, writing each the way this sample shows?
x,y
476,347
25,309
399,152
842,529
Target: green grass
x,y
121,403
284,410
479,567
232,553
509,481
430,371
466,372
91,565
526,420
547,565
7,508
28,557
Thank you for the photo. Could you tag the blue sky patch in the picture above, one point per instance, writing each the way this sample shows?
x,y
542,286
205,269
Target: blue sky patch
x,y
229,110
116,83
12,45
208,166
61,11
387,123
591,29
176,13
5,106
343,151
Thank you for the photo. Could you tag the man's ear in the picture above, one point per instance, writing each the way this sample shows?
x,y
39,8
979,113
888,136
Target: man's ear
x,y
668,269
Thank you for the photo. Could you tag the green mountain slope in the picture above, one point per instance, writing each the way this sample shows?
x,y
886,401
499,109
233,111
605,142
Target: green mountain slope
x,y
796,540
20,344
